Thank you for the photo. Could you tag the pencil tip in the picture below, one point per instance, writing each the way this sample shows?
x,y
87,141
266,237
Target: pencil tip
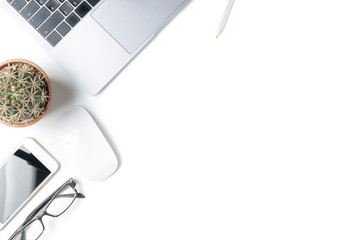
x,y
219,32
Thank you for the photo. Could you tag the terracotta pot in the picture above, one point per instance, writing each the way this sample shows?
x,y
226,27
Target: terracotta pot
x,y
12,61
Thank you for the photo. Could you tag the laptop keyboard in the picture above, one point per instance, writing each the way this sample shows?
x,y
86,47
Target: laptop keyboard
x,y
53,19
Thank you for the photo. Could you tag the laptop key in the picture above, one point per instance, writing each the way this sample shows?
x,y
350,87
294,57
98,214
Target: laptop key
x,y
41,2
18,4
54,38
51,23
29,10
75,2
66,8
72,19
39,17
93,2
63,29
52,5
83,9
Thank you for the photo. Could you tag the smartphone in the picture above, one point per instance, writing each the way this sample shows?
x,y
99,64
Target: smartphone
x,y
28,168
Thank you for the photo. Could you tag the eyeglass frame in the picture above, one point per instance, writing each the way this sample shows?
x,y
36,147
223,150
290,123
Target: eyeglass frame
x,y
41,210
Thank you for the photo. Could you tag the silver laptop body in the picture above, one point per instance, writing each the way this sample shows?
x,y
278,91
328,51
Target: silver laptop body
x,y
92,40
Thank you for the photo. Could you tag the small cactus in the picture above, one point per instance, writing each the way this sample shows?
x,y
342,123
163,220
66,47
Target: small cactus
x,y
24,94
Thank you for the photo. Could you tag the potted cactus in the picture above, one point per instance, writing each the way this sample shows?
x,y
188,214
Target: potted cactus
x,y
25,93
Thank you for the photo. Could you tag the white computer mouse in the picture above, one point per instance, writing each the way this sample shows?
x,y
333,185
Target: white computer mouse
x,y
90,151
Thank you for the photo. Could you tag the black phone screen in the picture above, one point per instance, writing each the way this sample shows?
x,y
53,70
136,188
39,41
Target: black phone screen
x,y
19,177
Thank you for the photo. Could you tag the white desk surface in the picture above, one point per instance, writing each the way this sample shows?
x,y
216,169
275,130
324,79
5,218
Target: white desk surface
x,y
254,135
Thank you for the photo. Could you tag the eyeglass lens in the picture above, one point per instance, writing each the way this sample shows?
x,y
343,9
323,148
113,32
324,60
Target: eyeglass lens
x,y
62,201
31,231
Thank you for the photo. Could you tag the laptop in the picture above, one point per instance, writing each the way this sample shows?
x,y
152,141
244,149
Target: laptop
x,y
92,40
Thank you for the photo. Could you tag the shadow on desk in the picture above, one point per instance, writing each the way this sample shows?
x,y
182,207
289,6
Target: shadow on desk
x,y
63,95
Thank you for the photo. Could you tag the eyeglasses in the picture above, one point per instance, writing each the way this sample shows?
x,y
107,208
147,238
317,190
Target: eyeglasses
x,y
54,206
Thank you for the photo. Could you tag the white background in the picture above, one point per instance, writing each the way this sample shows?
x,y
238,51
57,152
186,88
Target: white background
x,y
254,135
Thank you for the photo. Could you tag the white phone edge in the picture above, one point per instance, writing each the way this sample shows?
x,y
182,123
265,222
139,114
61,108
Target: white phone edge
x,y
45,158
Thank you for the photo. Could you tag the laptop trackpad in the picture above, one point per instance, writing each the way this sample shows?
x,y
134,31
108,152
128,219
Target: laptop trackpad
x,y
131,22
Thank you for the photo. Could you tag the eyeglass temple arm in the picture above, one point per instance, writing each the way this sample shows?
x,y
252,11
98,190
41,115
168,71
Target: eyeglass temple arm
x,y
70,195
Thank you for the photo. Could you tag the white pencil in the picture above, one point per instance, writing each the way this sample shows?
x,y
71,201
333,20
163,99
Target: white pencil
x,y
225,17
